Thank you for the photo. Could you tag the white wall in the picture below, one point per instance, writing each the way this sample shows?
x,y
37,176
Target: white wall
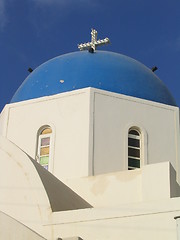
x,y
68,116
10,229
4,121
90,128
151,182
22,194
114,114
148,220
109,190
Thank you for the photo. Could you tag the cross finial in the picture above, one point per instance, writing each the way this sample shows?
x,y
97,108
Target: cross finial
x,y
94,42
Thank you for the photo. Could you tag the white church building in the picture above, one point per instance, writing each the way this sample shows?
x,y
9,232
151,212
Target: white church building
x,y
90,149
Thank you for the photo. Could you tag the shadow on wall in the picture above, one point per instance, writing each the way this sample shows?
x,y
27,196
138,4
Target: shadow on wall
x,y
61,197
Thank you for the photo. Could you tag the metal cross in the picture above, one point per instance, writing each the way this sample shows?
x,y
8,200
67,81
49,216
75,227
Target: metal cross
x,y
94,42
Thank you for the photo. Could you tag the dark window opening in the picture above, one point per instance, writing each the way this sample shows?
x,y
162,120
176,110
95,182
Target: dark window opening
x,y
134,149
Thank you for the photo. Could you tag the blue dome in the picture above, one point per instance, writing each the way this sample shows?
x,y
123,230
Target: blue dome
x,y
103,70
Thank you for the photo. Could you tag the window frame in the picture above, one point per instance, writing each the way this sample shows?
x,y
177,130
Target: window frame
x,y
40,136
137,159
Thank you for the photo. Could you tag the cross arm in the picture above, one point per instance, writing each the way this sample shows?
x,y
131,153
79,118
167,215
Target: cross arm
x,y
102,42
84,46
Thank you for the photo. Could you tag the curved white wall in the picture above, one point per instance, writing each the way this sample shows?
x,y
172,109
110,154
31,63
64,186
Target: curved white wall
x,y
22,195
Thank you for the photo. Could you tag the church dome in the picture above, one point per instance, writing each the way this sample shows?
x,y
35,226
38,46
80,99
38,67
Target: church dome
x,y
103,70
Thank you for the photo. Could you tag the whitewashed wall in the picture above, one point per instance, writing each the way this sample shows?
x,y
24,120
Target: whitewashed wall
x,y
22,194
150,220
114,114
90,129
151,182
11,229
68,116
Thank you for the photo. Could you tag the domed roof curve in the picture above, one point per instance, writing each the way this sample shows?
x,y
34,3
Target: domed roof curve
x,y
103,70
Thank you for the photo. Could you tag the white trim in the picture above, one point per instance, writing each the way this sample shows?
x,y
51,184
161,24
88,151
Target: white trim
x,y
134,136
91,133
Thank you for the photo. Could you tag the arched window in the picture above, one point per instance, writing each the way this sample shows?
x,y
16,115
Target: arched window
x,y
44,147
134,149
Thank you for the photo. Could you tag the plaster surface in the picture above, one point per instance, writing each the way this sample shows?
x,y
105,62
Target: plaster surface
x,y
90,131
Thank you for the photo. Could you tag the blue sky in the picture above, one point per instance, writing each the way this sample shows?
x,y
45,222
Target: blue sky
x,y
34,31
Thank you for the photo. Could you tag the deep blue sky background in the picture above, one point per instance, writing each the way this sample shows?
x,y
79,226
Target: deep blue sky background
x,y
34,31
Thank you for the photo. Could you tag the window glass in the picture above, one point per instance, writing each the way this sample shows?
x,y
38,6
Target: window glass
x,y
134,149
133,163
133,142
46,131
133,152
45,141
43,151
134,132
44,160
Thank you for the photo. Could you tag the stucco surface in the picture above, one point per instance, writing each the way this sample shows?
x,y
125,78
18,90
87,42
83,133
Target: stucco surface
x,y
145,220
11,229
22,194
90,131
